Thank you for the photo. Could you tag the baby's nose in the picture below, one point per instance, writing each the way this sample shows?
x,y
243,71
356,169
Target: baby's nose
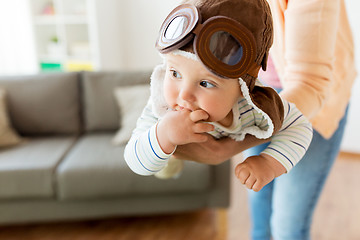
x,y
187,93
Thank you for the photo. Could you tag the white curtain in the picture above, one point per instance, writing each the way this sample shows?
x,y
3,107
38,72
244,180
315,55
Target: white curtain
x,y
17,51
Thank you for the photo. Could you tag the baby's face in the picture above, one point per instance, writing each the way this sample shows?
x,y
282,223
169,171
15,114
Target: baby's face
x,y
189,85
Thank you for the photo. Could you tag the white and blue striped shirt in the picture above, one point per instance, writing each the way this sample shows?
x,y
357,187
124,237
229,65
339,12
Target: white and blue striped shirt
x,y
144,155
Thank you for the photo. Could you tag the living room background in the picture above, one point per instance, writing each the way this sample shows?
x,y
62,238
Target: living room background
x,y
123,33
120,34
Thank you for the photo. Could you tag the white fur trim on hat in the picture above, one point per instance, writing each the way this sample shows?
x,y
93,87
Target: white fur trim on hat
x,y
159,105
254,130
188,55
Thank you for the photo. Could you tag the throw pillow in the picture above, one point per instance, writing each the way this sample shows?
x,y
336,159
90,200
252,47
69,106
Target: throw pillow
x,y
8,136
131,101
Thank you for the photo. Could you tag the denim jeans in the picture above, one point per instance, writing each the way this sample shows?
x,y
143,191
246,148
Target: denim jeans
x,y
284,208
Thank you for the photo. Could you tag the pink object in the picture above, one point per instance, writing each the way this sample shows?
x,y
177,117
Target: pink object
x,y
270,76
48,9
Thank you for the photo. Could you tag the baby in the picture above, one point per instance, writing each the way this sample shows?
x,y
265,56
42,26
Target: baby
x,y
213,51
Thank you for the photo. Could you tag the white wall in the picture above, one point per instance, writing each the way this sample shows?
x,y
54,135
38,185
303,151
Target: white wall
x,y
108,35
351,142
145,18
127,31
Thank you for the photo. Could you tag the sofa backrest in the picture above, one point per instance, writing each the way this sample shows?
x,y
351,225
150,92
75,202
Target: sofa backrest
x,y
100,111
43,104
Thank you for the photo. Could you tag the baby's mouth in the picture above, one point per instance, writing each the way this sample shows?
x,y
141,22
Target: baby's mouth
x,y
178,108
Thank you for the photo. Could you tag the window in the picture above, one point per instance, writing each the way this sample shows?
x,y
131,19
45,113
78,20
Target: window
x,y
17,52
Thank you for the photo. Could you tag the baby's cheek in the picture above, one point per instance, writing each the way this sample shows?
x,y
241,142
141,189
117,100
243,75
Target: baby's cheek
x,y
215,111
169,94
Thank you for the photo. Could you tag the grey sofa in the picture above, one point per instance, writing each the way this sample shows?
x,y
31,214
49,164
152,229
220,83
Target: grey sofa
x,y
67,167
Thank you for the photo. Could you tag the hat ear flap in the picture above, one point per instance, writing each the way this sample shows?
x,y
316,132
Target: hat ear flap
x,y
265,101
264,61
268,100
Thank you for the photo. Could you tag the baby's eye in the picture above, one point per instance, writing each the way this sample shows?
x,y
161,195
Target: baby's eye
x,y
206,84
175,74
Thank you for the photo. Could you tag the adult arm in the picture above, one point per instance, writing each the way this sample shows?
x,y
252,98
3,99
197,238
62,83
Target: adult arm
x,y
215,151
304,58
287,146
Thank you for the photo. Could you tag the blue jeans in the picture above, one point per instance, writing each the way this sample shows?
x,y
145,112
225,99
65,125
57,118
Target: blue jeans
x,y
284,208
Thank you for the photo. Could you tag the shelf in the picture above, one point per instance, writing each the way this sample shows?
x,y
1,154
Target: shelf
x,y
62,30
56,19
49,58
45,20
77,65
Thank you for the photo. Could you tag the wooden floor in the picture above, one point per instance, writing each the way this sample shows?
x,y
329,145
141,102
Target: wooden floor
x,y
196,225
337,217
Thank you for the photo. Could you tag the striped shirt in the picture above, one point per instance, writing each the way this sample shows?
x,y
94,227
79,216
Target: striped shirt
x,y
144,155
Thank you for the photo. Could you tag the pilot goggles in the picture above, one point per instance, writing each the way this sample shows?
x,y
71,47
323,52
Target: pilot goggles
x,y
225,46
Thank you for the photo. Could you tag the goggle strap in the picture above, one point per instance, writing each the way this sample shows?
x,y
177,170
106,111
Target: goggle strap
x,y
197,28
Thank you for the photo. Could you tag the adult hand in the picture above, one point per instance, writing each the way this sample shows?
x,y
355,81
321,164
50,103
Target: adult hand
x,y
214,151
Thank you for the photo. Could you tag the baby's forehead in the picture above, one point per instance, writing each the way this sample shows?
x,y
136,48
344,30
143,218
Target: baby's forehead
x,y
185,61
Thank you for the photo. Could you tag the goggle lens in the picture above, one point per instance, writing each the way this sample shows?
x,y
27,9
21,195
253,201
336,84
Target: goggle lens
x,y
226,48
176,28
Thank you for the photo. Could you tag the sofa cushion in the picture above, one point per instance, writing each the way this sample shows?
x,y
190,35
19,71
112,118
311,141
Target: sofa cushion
x,y
96,169
8,136
27,170
100,108
131,101
43,103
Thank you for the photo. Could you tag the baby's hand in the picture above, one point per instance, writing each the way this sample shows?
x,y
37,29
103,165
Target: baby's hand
x,y
182,127
257,171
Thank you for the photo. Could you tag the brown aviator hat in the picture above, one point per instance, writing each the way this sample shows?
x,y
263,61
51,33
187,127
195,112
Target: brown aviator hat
x,y
231,38
255,15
